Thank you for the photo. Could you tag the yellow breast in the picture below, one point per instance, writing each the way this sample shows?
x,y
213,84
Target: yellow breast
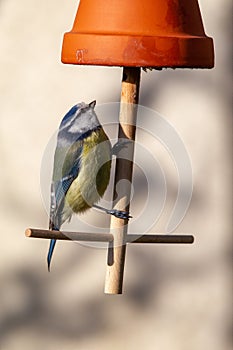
x,y
93,177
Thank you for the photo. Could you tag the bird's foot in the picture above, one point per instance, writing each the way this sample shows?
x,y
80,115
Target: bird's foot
x,y
119,214
121,144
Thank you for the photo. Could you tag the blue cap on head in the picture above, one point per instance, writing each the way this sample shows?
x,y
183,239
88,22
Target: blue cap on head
x,y
70,114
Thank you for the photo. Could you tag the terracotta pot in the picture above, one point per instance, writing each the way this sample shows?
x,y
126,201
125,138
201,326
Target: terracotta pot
x,y
145,33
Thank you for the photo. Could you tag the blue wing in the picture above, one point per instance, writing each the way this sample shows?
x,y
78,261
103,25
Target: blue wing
x,y
60,187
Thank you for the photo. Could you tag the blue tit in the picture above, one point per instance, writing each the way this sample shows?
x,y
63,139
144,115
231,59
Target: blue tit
x,y
82,164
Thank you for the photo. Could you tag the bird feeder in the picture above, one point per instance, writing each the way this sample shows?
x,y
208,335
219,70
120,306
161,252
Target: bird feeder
x,y
140,34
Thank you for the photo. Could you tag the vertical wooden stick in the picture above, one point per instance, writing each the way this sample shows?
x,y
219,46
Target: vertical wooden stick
x,y
124,169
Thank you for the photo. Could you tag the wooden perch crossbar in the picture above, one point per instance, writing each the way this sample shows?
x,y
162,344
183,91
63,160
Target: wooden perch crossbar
x,y
106,237
69,236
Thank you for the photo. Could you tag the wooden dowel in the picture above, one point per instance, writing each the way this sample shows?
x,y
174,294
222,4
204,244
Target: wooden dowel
x,y
73,236
106,237
123,171
160,238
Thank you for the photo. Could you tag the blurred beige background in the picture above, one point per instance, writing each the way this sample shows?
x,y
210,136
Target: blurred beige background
x,y
176,297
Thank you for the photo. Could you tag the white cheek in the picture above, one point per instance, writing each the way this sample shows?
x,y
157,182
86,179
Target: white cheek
x,y
75,128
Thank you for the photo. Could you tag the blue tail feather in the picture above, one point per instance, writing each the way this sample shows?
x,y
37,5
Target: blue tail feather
x,y
50,252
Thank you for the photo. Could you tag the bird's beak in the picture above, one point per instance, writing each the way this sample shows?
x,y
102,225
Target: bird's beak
x,y
92,104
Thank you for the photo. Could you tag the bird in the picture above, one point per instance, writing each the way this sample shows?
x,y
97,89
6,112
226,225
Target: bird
x,y
81,170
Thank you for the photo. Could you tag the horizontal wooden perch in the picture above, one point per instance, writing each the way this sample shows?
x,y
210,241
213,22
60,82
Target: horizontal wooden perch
x,y
106,237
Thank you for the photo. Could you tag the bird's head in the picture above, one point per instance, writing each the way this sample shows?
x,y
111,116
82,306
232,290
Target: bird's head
x,y
79,119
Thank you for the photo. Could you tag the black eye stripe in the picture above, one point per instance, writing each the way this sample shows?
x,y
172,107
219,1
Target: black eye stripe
x,y
83,110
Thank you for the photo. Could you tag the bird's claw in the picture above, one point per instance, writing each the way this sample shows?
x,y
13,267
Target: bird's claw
x,y
119,214
121,144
